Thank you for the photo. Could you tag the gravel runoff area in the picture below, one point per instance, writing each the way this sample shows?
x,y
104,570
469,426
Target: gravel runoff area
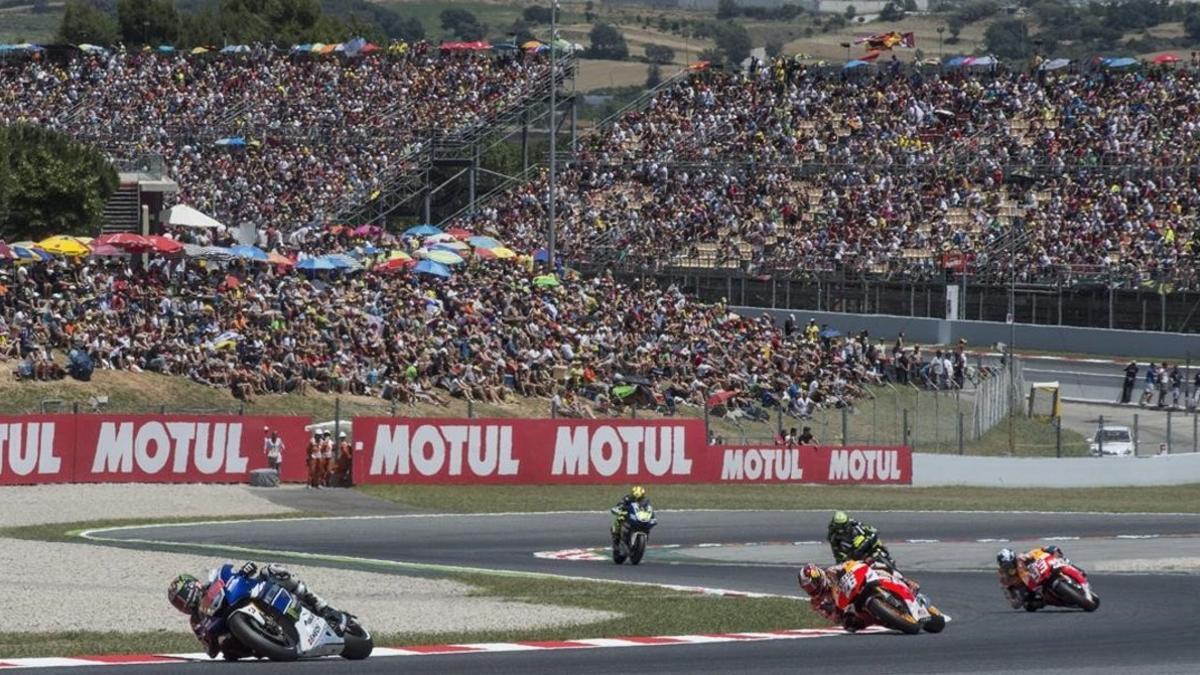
x,y
99,576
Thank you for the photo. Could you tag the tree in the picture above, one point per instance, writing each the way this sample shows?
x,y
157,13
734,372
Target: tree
x,y
84,24
1008,39
607,43
733,41
147,21
521,31
653,76
536,14
41,6
462,24
955,25
891,13
774,48
50,184
910,6
727,9
1191,25
660,53
850,12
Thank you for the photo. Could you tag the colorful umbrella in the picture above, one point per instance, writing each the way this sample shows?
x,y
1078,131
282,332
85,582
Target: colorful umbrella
x,y
314,264
484,242
399,255
459,233
439,238
395,264
503,253
29,253
485,254
432,268
215,253
5,251
249,253
125,240
164,245
719,398
1166,58
546,280
107,251
452,246
367,230
422,231
64,245
443,257
278,259
344,262
541,255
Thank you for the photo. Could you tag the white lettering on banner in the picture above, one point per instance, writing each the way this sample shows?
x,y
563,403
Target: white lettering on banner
x,y
36,453
761,464
122,447
864,465
399,450
660,449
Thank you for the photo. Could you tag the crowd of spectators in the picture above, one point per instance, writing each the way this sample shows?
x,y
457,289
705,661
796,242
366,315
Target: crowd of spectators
x,y
316,132
792,168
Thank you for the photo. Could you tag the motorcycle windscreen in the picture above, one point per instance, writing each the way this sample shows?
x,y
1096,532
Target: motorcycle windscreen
x,y
213,597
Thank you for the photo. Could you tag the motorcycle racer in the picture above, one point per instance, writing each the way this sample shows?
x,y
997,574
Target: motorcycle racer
x,y
817,583
1020,587
847,537
186,591
635,500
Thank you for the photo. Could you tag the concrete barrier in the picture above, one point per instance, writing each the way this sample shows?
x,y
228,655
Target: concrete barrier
x,y
930,470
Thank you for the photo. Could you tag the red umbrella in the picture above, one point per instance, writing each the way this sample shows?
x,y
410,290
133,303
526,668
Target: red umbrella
x,y
5,251
106,251
126,240
485,253
164,245
1166,58
397,264
720,398
459,233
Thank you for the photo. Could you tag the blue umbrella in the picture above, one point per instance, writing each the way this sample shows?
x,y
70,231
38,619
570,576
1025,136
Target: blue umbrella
x,y
315,264
434,268
856,63
232,141
1120,62
831,333
342,261
166,49
422,231
29,253
484,242
249,253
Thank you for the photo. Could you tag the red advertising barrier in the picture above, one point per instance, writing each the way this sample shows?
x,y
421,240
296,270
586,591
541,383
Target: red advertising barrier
x,y
144,448
507,451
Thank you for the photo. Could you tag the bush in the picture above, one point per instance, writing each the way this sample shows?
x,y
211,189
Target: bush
x,y
536,14
660,53
607,43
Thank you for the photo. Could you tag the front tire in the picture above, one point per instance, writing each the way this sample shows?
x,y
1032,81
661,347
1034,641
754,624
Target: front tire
x,y
890,617
280,647
358,643
1069,591
638,550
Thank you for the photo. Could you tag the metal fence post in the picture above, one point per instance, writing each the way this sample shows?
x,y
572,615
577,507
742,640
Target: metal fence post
x,y
1168,432
393,406
1136,438
1195,433
1058,437
470,409
961,447
845,425
337,417
707,429
162,409
779,420
75,407
904,430
1100,435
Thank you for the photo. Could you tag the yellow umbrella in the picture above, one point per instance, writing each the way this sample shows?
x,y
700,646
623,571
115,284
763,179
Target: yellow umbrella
x,y
532,44
504,253
199,50
86,240
444,257
399,255
64,245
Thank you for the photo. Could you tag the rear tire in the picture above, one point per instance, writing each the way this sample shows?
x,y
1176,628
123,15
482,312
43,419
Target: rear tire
x,y
251,635
617,556
890,617
358,643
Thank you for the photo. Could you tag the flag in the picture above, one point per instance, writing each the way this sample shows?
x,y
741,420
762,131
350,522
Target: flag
x,y
886,41
908,40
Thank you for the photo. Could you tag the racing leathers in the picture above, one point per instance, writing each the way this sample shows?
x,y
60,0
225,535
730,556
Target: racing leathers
x,y
820,597
628,503
222,641
1019,584
846,541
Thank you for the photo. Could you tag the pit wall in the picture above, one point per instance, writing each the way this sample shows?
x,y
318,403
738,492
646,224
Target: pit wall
x,y
930,470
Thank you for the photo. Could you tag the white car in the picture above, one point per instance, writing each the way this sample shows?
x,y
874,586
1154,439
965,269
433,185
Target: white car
x,y
1118,442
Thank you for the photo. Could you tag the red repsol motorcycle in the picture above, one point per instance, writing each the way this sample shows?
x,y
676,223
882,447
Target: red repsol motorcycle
x,y
880,596
1060,584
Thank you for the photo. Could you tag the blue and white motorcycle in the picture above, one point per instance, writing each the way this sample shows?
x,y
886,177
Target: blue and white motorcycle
x,y
259,618
634,534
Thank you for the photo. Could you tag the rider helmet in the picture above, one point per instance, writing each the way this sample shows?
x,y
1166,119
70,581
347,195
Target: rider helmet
x,y
1052,550
1006,558
812,580
184,593
839,521
638,493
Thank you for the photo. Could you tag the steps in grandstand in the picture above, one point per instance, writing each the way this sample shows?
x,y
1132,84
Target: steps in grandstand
x,y
122,213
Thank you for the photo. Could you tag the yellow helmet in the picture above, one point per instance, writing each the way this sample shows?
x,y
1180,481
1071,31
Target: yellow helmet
x,y
638,492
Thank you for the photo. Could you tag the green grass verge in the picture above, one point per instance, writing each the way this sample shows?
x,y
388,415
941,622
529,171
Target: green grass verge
x,y
511,498
641,610
644,610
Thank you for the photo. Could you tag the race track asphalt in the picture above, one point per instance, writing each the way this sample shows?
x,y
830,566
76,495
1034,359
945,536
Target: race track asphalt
x,y
1146,622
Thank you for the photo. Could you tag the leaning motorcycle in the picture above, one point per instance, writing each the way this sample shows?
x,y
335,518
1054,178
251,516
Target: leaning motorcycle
x,y
879,595
1060,584
268,621
634,534
868,547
